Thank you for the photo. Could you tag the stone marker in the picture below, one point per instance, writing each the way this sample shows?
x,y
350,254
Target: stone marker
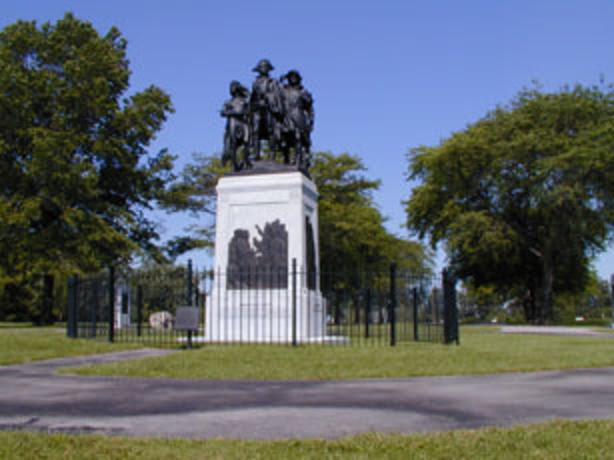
x,y
161,320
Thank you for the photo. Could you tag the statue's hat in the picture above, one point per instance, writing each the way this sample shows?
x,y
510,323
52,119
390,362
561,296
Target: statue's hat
x,y
237,86
294,73
264,65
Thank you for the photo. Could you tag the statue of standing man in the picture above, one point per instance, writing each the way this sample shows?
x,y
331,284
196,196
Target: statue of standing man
x,y
266,109
298,120
236,136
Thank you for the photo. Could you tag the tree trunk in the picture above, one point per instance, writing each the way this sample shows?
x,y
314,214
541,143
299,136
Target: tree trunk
x,y
532,315
526,306
547,282
48,300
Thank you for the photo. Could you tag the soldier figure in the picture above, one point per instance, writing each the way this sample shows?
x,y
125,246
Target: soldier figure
x,y
236,136
281,115
266,110
298,120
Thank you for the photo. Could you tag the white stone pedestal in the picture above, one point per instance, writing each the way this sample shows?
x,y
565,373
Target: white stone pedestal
x,y
265,316
244,311
122,304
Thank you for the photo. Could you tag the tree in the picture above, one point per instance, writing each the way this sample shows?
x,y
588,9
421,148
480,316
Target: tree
x,y
593,304
479,304
194,192
523,198
352,233
75,175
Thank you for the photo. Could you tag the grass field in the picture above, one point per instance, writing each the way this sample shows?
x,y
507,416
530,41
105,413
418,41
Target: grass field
x,y
558,439
482,351
23,344
10,325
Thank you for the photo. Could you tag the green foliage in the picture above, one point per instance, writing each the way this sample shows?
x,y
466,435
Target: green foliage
x,y
74,170
195,189
194,192
21,344
524,197
352,233
164,287
483,350
593,304
478,304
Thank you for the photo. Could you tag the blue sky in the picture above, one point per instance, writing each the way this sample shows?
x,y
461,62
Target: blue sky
x,y
386,76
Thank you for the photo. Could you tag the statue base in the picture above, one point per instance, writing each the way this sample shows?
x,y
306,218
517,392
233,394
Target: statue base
x,y
265,316
268,167
266,224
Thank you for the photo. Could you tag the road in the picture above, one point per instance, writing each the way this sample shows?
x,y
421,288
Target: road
x,y
33,397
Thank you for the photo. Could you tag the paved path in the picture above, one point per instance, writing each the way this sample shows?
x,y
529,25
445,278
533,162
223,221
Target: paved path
x,y
556,330
32,397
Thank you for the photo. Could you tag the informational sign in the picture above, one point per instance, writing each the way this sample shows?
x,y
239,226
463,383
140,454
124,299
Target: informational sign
x,y
186,319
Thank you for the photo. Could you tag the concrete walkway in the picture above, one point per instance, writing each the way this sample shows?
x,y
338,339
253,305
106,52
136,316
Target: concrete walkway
x,y
556,330
32,397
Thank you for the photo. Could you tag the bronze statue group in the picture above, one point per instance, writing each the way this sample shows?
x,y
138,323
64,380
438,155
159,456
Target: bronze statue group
x,y
278,112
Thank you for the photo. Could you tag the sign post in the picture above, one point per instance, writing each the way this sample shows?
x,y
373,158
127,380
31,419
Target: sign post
x,y
612,294
186,319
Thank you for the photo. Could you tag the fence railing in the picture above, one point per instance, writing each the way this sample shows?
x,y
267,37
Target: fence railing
x,y
264,306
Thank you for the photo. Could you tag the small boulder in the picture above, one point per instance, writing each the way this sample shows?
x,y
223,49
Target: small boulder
x,y
162,320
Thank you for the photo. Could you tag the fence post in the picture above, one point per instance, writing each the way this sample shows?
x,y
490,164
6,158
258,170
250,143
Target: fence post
x,y
71,307
95,305
415,305
48,299
189,298
139,309
294,342
367,311
111,303
450,314
393,305
189,290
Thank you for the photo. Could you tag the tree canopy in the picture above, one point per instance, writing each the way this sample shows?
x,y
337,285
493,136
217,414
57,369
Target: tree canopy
x,y
75,173
524,197
352,232
194,192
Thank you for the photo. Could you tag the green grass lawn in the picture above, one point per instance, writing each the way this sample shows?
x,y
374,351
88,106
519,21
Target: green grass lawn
x,y
482,351
23,344
11,325
558,439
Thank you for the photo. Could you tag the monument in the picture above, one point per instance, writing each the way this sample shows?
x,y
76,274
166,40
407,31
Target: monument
x,y
266,284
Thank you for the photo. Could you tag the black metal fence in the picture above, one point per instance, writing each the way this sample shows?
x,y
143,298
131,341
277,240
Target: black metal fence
x,y
132,305
263,306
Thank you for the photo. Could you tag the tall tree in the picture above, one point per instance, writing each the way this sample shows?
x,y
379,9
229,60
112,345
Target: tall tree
x,y
194,192
352,232
524,197
75,175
